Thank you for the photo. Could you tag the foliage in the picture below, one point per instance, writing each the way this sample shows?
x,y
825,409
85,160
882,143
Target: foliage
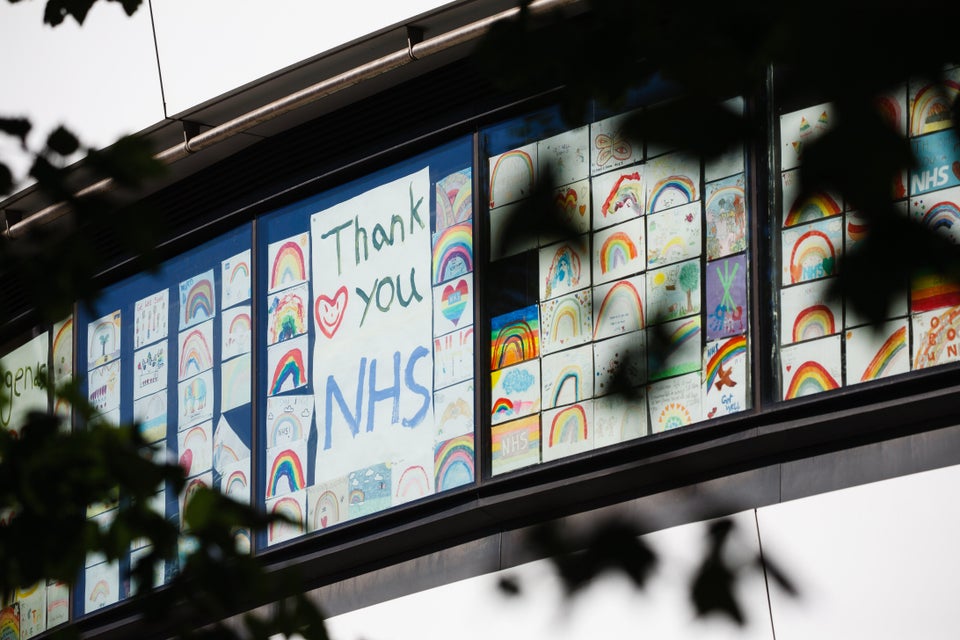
x,y
50,475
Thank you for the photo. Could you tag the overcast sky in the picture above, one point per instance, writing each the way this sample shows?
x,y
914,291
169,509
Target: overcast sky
x,y
103,79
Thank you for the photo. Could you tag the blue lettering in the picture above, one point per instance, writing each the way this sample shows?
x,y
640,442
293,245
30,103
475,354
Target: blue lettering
x,y
334,393
376,395
419,352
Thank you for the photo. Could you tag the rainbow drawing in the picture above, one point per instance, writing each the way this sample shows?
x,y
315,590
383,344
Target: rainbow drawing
x,y
939,337
413,483
199,302
941,216
289,266
286,467
931,291
681,186
502,406
290,368
621,306
727,197
454,199
515,337
567,320
326,510
195,442
105,335
100,592
809,378
564,270
236,485
627,194
239,273
892,347
814,321
454,462
240,324
453,253
890,110
516,168
195,354
813,256
617,250
286,428
857,228
63,349
10,619
571,374
685,332
288,315
290,509
931,107
730,349
819,205
673,415
569,426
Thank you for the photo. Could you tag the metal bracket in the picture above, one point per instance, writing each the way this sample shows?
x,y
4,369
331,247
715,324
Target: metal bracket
x,y
190,130
414,36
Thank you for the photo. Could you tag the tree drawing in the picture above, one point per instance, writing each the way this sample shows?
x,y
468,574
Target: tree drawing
x,y
689,279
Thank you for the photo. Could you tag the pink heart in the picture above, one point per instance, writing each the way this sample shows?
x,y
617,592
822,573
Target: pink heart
x,y
323,521
329,311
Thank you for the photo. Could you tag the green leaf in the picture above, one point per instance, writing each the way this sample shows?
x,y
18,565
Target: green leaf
x,y
16,127
63,142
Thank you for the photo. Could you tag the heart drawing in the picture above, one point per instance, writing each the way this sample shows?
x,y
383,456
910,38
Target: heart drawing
x,y
453,301
329,311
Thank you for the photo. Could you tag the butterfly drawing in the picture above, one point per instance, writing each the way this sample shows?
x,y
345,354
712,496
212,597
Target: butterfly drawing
x,y
612,147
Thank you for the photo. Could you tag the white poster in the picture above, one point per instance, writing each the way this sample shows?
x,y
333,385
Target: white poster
x,y
373,381
20,370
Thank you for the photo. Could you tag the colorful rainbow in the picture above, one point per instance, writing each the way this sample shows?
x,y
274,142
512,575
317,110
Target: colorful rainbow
x,y
813,247
627,193
930,291
617,251
290,367
564,270
681,185
454,463
931,108
515,341
63,343
566,315
290,508
240,271
814,321
819,205
195,439
674,415
883,359
286,465
857,229
289,266
568,426
289,420
453,253
413,483
728,350
687,331
502,406
199,302
10,620
454,199
517,157
99,593
570,374
809,378
240,324
943,215
195,355
731,192
326,510
622,298
236,484
676,242
288,315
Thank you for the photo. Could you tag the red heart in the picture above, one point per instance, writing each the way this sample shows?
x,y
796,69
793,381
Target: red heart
x,y
186,460
323,521
956,169
329,311
453,314
788,367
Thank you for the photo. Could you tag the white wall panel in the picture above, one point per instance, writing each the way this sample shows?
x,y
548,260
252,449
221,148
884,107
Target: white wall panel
x,y
99,79
875,561
211,47
474,609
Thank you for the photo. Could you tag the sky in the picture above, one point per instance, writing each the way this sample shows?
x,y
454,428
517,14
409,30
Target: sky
x,y
103,80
